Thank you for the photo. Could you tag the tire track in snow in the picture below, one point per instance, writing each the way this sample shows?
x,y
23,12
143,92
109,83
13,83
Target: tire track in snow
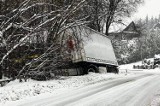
x,y
78,93
90,90
118,95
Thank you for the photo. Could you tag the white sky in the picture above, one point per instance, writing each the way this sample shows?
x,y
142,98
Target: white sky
x,y
150,8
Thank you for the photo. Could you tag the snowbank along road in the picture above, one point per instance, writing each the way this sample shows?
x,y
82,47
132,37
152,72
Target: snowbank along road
x,y
135,91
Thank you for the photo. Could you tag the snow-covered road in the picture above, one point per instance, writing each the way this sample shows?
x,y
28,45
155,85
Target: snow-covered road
x,y
135,91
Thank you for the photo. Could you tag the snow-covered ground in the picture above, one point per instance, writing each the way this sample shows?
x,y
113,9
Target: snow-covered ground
x,y
15,92
156,98
129,68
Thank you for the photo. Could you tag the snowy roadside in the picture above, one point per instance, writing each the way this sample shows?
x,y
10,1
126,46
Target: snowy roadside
x,y
156,99
129,67
17,91
14,90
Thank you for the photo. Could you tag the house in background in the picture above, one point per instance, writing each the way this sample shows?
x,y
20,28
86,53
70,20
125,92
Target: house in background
x,y
125,42
157,26
130,32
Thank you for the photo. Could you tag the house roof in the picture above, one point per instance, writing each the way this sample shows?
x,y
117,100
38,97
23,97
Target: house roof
x,y
130,29
157,25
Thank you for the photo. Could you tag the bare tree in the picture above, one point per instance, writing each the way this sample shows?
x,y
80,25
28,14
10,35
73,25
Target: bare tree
x,y
103,13
33,22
